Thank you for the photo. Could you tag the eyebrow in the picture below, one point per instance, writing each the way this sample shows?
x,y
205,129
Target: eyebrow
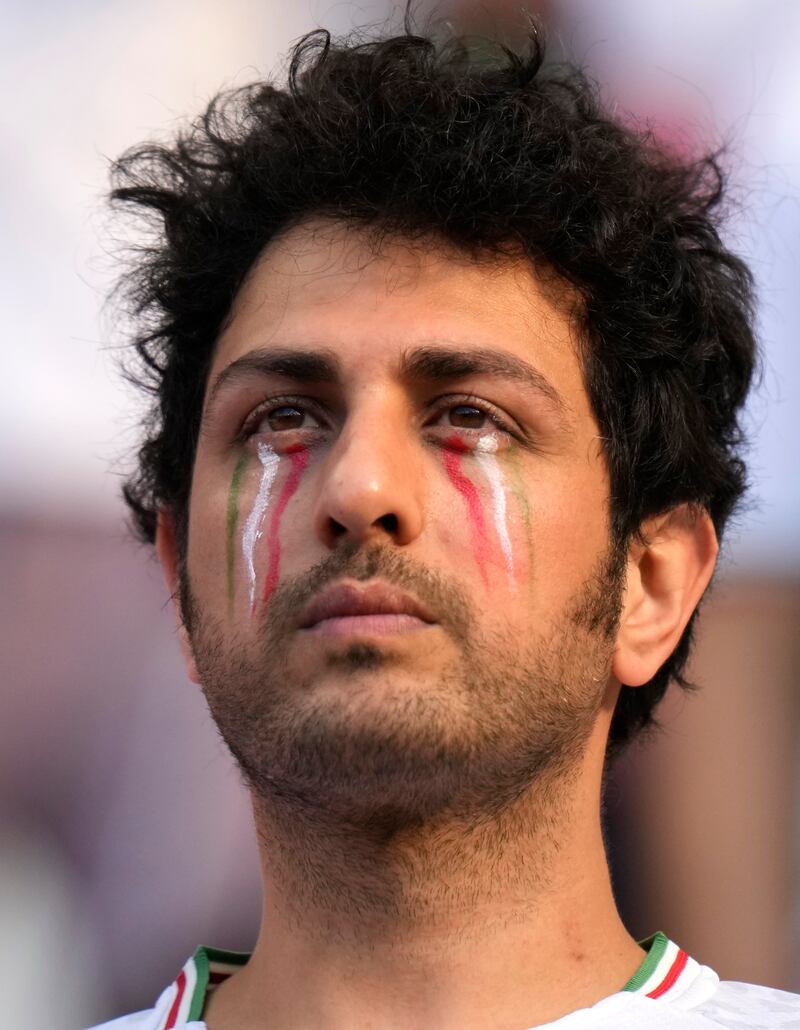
x,y
436,364
320,366
431,364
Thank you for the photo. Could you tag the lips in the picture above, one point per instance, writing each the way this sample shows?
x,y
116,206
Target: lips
x,y
353,600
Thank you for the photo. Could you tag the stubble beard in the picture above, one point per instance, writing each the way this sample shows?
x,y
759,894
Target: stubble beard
x,y
506,718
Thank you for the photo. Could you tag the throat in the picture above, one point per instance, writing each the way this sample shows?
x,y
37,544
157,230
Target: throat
x,y
506,921
385,882
446,926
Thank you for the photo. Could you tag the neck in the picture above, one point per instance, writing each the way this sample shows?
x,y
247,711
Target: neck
x,y
508,922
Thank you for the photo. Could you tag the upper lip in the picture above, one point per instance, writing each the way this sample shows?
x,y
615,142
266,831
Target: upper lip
x,y
352,598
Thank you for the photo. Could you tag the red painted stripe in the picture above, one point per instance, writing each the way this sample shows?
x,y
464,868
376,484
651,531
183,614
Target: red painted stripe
x,y
675,971
180,983
299,460
452,463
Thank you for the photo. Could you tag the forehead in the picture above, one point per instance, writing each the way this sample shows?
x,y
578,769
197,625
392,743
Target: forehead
x,y
334,286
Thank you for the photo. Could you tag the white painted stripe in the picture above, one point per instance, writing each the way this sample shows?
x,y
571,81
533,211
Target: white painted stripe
x,y
486,459
252,530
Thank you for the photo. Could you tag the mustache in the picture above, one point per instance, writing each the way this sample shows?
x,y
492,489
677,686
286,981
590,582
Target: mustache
x,y
448,602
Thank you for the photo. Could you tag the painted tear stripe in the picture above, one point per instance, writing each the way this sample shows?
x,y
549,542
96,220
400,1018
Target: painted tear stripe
x,y
485,451
252,530
452,464
299,459
233,521
518,490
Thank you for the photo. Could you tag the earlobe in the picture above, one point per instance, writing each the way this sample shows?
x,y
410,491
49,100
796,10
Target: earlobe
x,y
668,571
167,551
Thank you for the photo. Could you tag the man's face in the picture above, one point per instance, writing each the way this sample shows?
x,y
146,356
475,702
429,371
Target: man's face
x,y
398,579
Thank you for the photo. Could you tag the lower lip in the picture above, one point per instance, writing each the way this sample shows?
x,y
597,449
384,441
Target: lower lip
x,y
368,625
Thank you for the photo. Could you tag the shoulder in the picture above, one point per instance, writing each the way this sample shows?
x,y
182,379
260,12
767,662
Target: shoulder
x,y
731,1006
740,1005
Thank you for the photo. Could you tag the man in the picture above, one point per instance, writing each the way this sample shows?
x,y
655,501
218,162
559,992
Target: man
x,y
448,371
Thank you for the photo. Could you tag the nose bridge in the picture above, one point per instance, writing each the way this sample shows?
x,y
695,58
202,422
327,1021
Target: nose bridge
x,y
372,483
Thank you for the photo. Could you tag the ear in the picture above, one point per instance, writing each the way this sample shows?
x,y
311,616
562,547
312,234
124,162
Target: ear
x,y
167,551
668,570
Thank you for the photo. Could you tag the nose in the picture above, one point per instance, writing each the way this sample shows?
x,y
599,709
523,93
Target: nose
x,y
373,482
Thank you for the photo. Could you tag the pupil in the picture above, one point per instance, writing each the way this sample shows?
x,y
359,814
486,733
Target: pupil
x,y
467,417
286,418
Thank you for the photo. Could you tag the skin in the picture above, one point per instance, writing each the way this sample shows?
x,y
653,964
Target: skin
x,y
508,922
233,520
481,547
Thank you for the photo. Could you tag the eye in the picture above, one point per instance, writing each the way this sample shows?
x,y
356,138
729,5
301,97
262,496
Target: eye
x,y
469,413
470,423
466,416
283,417
287,416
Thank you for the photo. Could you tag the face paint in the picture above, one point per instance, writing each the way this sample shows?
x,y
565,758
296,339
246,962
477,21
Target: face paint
x,y
252,530
485,452
518,490
452,464
299,459
233,519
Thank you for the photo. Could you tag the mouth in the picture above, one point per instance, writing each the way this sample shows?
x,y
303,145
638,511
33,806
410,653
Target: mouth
x,y
365,609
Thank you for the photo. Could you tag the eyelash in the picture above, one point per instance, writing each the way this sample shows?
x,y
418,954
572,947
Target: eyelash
x,y
250,423
471,401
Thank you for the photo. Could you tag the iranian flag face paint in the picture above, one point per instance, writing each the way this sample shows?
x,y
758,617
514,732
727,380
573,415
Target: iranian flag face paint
x,y
480,539
253,530
298,458
233,522
486,453
518,491
253,527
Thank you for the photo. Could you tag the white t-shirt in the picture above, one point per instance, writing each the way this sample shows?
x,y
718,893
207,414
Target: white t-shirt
x,y
669,991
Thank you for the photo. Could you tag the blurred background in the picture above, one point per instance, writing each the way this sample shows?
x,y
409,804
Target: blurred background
x,y
125,833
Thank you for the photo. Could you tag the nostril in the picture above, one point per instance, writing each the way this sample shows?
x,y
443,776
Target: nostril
x,y
337,529
389,523
334,530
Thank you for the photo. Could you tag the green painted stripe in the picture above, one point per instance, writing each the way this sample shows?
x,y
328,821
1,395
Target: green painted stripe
x,y
518,492
233,520
657,945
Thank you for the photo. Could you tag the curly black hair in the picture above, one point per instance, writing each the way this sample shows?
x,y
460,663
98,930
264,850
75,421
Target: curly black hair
x,y
493,151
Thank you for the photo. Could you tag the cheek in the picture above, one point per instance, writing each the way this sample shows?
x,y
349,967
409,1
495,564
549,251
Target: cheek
x,y
260,491
570,539
232,525
495,511
499,508
216,509
521,507
252,532
297,460
473,505
521,525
